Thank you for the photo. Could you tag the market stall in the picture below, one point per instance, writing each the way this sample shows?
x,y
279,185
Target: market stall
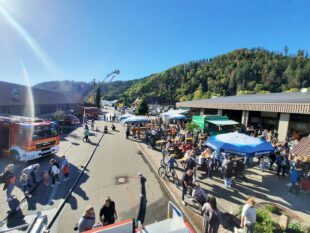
x,y
301,154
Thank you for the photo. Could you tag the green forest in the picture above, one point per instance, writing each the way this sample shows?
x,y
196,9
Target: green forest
x,y
243,71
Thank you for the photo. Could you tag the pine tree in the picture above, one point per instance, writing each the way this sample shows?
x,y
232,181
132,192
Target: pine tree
x,y
98,97
143,107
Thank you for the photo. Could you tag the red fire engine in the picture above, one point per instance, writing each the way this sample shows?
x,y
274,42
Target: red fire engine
x,y
25,139
91,112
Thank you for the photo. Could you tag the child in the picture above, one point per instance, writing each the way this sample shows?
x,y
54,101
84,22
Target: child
x,y
171,162
24,182
46,177
65,167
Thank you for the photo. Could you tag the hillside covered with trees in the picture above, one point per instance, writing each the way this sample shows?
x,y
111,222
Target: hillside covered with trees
x,y
241,71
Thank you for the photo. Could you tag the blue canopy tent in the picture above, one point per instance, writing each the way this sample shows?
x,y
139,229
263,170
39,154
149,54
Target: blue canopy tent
x,y
239,144
135,119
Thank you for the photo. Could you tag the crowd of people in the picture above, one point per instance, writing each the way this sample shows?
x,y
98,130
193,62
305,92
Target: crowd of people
x,y
30,176
187,147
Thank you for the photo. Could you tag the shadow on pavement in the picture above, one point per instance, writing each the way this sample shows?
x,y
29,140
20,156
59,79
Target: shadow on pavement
x,y
47,195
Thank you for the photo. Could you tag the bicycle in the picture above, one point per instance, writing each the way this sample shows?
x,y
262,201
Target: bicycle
x,y
169,175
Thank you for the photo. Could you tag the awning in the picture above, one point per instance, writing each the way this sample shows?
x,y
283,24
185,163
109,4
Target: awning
x,y
239,144
223,122
302,148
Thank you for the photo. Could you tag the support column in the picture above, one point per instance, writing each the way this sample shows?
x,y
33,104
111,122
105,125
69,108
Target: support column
x,y
220,112
283,126
202,112
245,118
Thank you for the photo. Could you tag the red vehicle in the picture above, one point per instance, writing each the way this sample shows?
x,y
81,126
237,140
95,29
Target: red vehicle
x,y
25,139
91,112
175,223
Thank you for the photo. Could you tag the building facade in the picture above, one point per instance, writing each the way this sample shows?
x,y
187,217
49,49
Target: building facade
x,y
285,112
22,100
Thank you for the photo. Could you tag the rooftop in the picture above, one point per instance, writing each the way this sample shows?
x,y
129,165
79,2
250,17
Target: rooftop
x,y
288,102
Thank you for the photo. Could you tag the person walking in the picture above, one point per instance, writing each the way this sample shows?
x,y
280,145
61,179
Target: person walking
x,y
295,180
228,172
9,180
65,167
279,162
46,178
24,182
108,213
31,171
86,134
87,221
191,165
272,160
211,216
248,216
187,181
127,132
54,172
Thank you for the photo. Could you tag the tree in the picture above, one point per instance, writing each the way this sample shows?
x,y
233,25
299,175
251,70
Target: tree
x,y
198,93
98,97
143,107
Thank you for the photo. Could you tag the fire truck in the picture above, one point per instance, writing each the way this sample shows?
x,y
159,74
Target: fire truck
x,y
24,139
91,112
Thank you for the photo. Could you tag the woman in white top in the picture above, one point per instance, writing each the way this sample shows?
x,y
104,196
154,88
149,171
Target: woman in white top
x,y
54,172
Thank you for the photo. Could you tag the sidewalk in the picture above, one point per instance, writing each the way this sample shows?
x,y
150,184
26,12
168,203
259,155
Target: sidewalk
x,y
264,186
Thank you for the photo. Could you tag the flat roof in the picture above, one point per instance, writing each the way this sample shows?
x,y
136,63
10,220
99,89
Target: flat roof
x,y
287,102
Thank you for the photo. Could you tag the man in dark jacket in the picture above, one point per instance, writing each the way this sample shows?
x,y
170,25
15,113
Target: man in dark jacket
x,y
187,181
228,173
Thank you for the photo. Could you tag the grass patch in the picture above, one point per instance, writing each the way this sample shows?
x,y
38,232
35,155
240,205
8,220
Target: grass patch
x,y
294,228
273,209
264,222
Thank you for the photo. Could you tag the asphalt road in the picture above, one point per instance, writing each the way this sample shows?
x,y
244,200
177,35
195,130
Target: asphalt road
x,y
114,157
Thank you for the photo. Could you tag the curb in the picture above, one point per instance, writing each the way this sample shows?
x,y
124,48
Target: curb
x,y
171,195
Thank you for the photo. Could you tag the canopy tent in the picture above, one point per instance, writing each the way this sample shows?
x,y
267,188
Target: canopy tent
x,y
135,119
223,122
239,144
173,112
176,117
127,115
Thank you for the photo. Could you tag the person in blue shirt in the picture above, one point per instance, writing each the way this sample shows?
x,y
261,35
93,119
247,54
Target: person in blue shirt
x,y
280,164
171,162
295,180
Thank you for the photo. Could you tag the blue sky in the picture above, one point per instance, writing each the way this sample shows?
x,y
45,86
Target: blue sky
x,y
82,40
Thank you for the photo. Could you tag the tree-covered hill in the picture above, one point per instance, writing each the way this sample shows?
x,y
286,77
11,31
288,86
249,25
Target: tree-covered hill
x,y
241,71
238,72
